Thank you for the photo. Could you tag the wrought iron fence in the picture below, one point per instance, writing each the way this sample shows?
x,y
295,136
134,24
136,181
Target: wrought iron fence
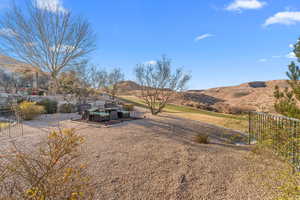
x,y
281,133
11,123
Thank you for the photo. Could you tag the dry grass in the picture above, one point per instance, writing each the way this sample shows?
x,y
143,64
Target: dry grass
x,y
274,174
241,125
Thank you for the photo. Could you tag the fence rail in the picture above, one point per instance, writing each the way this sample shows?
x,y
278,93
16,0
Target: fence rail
x,y
12,124
281,133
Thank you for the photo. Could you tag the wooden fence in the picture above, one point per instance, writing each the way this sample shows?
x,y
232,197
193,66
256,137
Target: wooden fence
x,y
281,133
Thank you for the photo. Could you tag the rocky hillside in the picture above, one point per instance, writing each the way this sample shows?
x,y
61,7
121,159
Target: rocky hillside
x,y
256,96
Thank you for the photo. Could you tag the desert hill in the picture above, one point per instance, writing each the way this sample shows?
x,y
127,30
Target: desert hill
x,y
127,86
10,64
256,96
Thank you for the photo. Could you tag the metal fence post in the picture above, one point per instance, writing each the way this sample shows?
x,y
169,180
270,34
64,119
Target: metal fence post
x,y
250,127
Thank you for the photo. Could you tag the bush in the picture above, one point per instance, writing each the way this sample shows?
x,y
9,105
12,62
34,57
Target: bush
x,y
240,94
202,139
29,110
66,108
128,107
49,105
53,171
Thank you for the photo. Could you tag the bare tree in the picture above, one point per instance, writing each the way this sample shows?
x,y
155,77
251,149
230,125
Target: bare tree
x,y
73,87
98,77
51,40
5,80
11,81
114,78
158,83
107,81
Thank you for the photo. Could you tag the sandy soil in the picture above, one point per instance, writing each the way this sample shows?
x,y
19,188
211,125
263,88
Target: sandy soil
x,y
156,158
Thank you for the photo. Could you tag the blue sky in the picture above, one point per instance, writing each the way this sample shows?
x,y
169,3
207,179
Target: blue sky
x,y
220,42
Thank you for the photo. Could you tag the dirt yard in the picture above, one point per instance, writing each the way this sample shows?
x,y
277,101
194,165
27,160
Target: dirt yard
x,y
156,158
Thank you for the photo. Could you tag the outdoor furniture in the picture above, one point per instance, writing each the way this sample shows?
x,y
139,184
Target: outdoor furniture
x,y
83,107
105,114
123,114
99,116
113,115
87,114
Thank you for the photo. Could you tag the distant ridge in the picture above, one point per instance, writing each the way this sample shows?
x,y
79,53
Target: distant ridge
x,y
250,96
127,86
13,65
255,95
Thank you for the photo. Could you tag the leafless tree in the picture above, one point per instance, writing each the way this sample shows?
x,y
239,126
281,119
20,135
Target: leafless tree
x,y
159,84
98,77
51,40
5,80
11,81
114,78
106,80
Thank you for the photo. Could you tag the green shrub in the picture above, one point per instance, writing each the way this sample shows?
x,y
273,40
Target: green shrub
x,y
29,110
202,139
128,107
241,94
66,108
49,105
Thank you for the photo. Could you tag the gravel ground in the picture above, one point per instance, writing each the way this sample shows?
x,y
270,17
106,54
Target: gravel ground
x,y
156,158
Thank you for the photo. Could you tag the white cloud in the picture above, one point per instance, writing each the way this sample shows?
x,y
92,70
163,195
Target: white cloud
x,y
7,32
291,55
291,46
50,5
239,5
151,62
286,18
276,56
263,60
201,37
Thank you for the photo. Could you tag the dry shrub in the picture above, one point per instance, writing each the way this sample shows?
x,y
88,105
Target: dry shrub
x,y
29,110
228,109
128,107
202,139
240,94
49,105
66,108
53,171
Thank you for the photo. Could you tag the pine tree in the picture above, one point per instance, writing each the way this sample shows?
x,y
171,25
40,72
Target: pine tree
x,y
287,100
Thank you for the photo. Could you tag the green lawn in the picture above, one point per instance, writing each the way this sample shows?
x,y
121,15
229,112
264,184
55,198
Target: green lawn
x,y
236,122
176,108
